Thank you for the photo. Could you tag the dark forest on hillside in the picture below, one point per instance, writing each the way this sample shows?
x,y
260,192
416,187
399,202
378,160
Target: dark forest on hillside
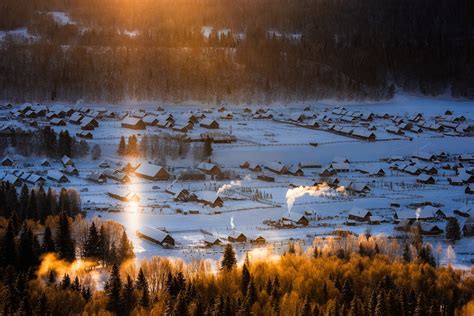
x,y
344,49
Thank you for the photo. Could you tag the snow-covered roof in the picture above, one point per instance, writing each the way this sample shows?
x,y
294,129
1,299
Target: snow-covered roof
x,y
148,169
206,166
56,175
359,212
153,233
129,120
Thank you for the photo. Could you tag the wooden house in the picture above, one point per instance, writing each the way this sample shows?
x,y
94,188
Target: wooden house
x,y
156,236
133,123
359,215
152,172
209,123
209,168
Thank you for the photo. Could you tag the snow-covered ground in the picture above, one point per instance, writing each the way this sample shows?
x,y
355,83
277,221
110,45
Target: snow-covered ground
x,y
261,141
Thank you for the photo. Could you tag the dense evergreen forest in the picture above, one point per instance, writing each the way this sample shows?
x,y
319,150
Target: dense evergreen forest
x,y
273,49
68,266
54,262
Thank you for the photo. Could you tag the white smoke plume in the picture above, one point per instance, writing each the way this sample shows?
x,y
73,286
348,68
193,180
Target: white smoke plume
x,y
450,254
317,190
229,186
232,225
418,212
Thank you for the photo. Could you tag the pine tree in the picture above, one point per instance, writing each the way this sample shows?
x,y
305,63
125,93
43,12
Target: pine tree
x,y
122,149
7,247
306,309
42,306
347,293
32,206
141,282
41,204
251,295
64,204
372,303
66,282
26,254
453,231
406,253
48,242
92,244
420,306
76,285
207,149
380,307
50,207
24,201
181,306
114,291
125,250
64,242
132,147
128,296
245,279
228,260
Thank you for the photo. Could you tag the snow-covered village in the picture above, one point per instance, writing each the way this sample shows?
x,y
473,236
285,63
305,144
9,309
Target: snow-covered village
x,y
236,158
186,180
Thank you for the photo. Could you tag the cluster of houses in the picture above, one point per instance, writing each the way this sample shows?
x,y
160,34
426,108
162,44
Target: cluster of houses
x,y
448,124
275,167
87,118
425,166
165,239
139,120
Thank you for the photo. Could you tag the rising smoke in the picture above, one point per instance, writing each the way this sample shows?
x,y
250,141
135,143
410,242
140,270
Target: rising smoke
x,y
322,190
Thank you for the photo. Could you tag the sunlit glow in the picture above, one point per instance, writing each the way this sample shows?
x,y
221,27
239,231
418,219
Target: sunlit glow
x,y
133,208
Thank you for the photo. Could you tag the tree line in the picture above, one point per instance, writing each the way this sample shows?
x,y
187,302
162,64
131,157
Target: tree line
x,y
164,147
46,142
348,49
364,275
37,204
